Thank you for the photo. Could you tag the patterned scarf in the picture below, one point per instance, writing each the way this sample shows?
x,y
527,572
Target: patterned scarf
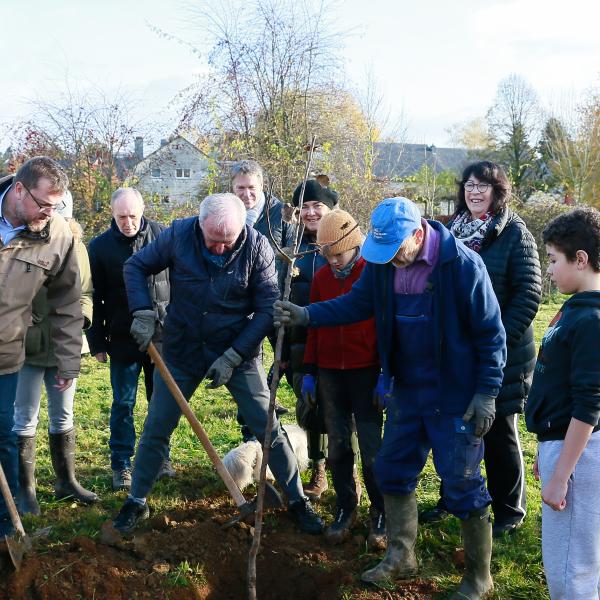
x,y
471,232
252,214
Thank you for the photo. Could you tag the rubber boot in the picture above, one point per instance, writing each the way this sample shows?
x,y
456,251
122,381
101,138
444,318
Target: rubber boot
x,y
401,525
62,451
477,539
26,499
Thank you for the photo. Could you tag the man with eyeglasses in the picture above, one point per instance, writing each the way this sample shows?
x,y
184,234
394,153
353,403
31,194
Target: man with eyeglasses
x,y
36,249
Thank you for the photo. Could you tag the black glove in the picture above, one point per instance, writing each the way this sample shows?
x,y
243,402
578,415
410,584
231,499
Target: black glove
x,y
288,314
143,327
482,410
222,369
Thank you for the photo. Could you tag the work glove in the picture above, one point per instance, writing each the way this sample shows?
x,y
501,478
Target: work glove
x,y
382,393
143,327
288,314
309,390
482,410
222,369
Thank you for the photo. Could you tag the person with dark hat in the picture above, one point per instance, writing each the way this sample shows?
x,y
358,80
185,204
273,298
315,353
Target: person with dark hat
x,y
442,348
317,202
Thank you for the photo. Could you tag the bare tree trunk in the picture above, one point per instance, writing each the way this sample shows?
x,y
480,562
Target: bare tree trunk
x,y
266,446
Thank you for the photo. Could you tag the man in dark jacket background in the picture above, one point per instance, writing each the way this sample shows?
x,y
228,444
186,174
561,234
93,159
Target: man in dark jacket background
x,y
223,285
129,231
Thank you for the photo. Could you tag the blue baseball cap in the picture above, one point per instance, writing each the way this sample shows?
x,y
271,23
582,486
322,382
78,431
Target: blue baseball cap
x,y
392,221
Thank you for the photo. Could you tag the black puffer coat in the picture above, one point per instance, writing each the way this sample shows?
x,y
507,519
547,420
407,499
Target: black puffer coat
x,y
510,255
112,320
305,268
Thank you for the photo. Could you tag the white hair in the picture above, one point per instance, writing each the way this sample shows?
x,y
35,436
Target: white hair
x,y
122,191
223,210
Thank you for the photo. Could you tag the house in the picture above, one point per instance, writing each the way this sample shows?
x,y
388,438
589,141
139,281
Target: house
x,y
172,173
395,160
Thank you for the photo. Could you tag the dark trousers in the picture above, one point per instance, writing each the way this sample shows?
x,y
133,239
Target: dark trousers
x,y
346,394
8,439
124,378
248,385
505,470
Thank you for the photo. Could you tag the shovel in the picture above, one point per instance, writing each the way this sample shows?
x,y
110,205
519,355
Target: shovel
x,y
19,542
246,508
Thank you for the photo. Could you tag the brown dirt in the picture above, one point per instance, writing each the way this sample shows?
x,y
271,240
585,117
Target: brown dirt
x,y
290,566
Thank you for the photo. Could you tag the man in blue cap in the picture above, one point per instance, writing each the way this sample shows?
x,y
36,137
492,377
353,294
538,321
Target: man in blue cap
x,y
442,348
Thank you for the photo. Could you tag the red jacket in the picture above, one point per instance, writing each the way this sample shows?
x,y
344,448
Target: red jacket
x,y
343,346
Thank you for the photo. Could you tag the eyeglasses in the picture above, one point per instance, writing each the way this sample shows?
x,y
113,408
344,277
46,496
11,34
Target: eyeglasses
x,y
482,188
42,206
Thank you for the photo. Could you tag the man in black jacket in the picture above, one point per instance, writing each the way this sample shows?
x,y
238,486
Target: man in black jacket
x,y
223,285
109,334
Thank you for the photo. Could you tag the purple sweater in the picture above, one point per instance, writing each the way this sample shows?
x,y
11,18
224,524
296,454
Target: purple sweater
x,y
413,279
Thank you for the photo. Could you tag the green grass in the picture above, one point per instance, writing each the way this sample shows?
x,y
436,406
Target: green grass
x,y
517,565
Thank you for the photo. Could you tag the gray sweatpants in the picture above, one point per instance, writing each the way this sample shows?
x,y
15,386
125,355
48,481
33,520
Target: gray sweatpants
x,y
571,537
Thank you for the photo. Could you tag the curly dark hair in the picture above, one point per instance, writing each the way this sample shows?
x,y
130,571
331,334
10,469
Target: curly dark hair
x,y
575,230
488,172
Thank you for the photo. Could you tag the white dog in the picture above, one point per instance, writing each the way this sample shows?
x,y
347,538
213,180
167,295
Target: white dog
x,y
243,462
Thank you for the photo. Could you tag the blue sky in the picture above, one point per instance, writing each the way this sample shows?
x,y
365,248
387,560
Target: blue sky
x,y
437,62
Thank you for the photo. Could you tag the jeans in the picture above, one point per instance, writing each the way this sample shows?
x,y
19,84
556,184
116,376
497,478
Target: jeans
x,y
27,402
9,458
348,395
249,388
124,381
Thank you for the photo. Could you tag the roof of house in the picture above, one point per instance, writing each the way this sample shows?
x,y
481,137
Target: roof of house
x,y
396,160
165,148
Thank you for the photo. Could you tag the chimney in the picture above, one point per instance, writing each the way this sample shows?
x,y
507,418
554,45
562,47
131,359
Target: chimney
x,y
139,147
163,142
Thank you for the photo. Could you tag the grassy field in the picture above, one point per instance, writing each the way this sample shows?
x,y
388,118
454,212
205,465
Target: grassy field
x,y
517,565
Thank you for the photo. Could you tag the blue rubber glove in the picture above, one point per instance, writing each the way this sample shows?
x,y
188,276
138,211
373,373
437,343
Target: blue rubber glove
x,y
309,390
381,393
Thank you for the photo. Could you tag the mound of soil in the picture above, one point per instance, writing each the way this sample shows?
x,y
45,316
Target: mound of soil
x,y
290,565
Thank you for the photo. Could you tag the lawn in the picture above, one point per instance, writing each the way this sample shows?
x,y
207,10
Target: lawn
x,y
516,566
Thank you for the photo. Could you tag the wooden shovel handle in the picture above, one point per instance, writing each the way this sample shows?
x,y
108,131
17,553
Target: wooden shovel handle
x,y
195,425
10,504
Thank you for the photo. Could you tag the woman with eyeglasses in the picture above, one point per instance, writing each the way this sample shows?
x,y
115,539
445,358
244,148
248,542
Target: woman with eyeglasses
x,y
484,222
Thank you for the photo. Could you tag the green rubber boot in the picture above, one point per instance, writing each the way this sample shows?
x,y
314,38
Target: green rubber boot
x,y
477,539
401,526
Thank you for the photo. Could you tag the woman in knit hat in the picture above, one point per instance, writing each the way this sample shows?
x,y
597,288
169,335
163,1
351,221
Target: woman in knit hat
x,y
318,201
344,361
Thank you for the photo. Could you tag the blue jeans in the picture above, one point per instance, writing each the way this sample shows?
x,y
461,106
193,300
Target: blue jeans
x,y
29,394
248,386
124,381
9,457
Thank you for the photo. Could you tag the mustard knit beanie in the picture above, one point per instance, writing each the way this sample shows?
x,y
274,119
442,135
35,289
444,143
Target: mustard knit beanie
x,y
333,227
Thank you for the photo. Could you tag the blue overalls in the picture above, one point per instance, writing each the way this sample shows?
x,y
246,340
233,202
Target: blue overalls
x,y
416,421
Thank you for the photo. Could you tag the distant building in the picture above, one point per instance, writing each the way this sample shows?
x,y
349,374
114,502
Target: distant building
x,y
395,160
173,173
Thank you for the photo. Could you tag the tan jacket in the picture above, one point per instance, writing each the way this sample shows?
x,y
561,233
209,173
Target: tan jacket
x,y
27,262
39,347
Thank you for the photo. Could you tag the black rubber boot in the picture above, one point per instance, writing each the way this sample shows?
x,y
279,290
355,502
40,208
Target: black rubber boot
x,y
26,499
62,451
477,539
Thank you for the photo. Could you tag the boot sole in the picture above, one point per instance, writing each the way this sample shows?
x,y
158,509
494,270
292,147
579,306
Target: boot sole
x,y
387,580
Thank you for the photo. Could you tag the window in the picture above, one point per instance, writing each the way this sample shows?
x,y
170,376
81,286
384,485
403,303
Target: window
x,y
182,173
155,173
